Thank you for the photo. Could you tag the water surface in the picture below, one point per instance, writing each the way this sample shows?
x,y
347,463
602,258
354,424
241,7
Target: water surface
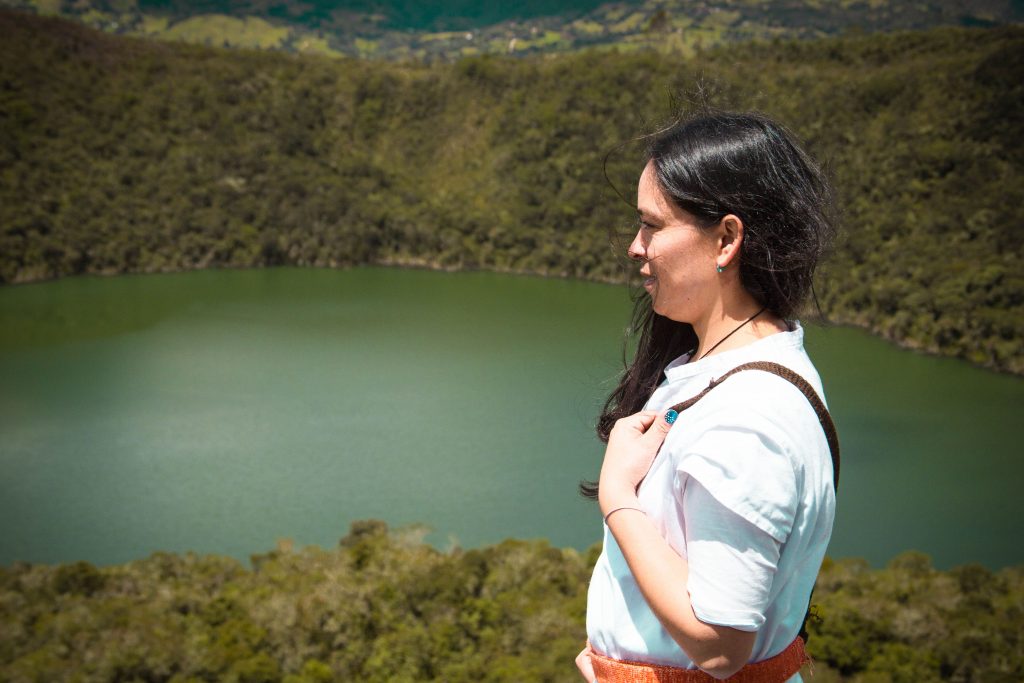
x,y
218,411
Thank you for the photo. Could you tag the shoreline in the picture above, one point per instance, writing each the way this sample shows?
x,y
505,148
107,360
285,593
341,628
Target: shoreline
x,y
419,533
424,264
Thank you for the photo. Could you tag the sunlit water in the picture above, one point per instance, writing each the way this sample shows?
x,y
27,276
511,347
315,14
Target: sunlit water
x,y
220,411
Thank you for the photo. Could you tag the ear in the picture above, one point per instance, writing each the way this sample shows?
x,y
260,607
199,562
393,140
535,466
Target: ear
x,y
730,238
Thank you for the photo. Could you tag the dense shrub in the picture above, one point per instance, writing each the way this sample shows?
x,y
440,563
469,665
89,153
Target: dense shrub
x,y
384,606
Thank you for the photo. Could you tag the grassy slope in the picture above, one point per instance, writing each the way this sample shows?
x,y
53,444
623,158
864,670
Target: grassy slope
x,y
125,155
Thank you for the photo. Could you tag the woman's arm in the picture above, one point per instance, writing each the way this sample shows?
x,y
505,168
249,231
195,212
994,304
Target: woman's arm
x,y
660,573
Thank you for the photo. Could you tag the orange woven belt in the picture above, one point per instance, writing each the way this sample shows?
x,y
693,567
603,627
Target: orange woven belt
x,y
775,669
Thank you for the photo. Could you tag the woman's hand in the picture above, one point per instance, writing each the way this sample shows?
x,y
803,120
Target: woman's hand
x,y
632,445
585,666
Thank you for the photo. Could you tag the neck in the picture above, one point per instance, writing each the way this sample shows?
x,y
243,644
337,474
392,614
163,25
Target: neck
x,y
727,327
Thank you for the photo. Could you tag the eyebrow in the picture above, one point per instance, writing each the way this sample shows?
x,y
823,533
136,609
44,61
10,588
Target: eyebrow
x,y
647,216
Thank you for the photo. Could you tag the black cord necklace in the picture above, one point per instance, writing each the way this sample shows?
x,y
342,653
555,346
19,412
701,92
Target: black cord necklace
x,y
737,329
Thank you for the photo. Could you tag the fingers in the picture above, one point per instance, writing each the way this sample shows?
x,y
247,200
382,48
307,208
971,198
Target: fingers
x,y
666,419
651,425
639,422
660,427
585,666
648,416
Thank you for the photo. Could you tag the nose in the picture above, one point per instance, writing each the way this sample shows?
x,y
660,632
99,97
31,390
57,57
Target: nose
x,y
637,251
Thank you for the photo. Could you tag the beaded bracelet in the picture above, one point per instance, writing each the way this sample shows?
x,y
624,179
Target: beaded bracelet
x,y
624,507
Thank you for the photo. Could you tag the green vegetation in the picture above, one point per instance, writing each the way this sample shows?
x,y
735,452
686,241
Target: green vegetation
x,y
384,606
124,155
437,29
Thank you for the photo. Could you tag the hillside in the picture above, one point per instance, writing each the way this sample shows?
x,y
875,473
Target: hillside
x,y
447,30
125,155
383,606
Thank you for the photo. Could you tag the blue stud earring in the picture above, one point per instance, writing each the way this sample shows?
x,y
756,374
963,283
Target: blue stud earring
x,y
719,268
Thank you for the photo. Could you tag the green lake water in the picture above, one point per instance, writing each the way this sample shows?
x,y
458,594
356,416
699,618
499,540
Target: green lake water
x,y
219,411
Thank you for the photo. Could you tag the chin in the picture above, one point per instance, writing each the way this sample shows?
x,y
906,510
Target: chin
x,y
674,316
666,314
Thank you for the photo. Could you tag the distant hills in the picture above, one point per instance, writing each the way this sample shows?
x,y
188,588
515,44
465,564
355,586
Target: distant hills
x,y
127,155
441,29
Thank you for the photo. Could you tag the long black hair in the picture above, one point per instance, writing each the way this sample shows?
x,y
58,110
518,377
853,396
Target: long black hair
x,y
713,164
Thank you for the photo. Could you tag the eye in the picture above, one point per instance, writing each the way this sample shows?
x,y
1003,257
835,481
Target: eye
x,y
645,225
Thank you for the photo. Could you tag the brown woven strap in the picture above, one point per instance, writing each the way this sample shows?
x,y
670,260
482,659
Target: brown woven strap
x,y
800,383
775,669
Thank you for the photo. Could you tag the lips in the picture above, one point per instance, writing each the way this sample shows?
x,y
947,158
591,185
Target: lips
x,y
649,279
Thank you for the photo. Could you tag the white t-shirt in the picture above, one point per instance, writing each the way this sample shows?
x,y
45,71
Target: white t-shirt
x,y
742,488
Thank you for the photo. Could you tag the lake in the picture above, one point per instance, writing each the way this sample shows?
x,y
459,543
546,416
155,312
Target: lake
x,y
218,411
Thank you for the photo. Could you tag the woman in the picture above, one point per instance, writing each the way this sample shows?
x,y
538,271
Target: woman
x,y
716,525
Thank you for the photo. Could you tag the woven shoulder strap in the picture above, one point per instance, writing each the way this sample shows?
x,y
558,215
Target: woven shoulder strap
x,y
800,383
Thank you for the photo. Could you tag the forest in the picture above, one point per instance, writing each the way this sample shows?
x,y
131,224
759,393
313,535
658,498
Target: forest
x,y
383,606
124,155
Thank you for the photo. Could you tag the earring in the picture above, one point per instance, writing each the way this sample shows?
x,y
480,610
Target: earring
x,y
719,269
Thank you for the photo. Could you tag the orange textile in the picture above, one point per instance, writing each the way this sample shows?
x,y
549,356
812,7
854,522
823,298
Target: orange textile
x,y
777,669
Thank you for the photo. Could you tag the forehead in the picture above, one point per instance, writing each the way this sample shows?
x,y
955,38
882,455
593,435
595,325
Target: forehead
x,y
650,199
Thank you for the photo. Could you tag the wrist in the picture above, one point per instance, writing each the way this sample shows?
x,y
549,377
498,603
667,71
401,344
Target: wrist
x,y
608,500
623,508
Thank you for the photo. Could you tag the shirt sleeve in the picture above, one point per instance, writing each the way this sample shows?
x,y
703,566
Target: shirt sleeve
x,y
732,563
743,463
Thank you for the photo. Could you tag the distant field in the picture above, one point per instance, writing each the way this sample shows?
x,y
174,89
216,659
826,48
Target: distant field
x,y
433,29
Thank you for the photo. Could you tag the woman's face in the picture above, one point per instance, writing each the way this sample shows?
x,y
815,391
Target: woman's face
x,y
678,257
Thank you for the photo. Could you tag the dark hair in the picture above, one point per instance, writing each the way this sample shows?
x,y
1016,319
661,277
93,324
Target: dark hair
x,y
711,165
